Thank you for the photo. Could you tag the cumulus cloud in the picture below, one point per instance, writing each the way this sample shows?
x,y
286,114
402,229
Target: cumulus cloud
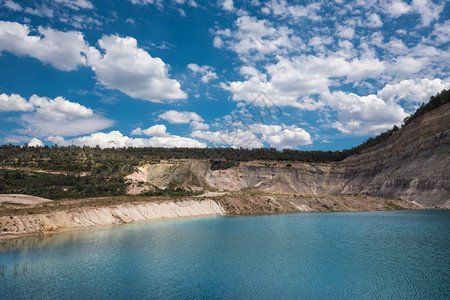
x,y
205,71
397,8
255,135
236,138
115,139
130,69
282,137
196,125
44,116
404,66
63,50
156,130
34,142
228,5
14,102
415,91
362,115
180,117
59,108
123,66
290,79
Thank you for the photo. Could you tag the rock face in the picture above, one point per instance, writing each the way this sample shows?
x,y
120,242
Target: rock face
x,y
413,164
297,178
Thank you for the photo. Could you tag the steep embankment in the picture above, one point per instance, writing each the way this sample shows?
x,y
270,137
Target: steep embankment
x,y
85,217
413,164
305,178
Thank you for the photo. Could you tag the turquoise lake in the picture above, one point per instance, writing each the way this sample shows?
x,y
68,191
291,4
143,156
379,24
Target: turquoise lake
x,y
375,255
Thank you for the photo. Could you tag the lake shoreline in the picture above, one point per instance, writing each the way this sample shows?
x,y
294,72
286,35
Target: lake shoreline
x,y
59,216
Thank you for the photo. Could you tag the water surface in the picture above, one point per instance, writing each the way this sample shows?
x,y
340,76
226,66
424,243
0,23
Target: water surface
x,y
379,255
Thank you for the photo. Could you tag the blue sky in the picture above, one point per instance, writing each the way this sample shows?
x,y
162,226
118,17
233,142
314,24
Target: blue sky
x,y
308,75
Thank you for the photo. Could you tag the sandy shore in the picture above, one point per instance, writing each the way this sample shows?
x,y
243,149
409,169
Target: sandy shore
x,y
88,217
22,215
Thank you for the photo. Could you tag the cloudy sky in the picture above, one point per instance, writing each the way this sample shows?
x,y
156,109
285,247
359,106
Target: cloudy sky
x,y
309,75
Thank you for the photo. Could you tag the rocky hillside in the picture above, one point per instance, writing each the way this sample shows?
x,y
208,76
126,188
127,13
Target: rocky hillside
x,y
413,164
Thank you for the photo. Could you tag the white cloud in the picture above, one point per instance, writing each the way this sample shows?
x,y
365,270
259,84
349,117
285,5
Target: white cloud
x,y
59,108
60,117
76,4
130,69
290,79
441,32
117,140
406,66
14,103
361,115
156,130
160,3
79,21
205,71
396,47
415,91
145,2
196,125
182,12
137,131
170,142
397,8
282,137
42,11
282,9
373,20
345,32
12,5
180,117
228,5
123,66
255,38
63,50
34,142
217,42
255,135
235,138
428,11
192,3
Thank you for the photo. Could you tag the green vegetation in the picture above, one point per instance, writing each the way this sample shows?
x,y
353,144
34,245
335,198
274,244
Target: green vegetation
x,y
82,172
435,102
221,164
375,140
